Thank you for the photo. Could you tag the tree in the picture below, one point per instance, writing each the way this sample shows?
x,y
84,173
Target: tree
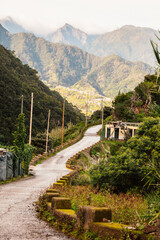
x,y
22,152
20,134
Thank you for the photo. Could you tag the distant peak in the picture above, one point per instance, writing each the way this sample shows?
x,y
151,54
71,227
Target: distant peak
x,y
8,18
67,26
128,26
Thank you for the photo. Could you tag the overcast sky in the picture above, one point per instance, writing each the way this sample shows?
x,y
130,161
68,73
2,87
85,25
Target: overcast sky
x,y
91,16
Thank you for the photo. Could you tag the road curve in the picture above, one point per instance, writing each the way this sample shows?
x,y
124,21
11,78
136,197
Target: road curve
x,y
17,214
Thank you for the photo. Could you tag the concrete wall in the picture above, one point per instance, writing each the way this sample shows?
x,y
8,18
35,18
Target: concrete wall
x,y
6,166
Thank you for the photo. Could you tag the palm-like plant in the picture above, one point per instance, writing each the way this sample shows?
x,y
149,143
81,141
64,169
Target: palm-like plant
x,y
157,55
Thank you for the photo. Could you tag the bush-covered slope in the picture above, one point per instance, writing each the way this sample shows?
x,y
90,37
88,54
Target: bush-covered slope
x,y
17,79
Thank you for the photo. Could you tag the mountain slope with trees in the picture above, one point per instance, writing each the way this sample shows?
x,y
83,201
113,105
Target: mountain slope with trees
x,y
115,74
17,79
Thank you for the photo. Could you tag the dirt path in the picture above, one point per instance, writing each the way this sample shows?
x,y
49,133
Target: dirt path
x,y
17,214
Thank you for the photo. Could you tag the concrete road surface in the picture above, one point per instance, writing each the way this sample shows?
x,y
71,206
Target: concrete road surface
x,y
17,214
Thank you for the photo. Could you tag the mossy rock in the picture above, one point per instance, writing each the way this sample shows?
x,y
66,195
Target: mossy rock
x,y
58,184
87,215
116,231
62,181
67,216
61,203
49,206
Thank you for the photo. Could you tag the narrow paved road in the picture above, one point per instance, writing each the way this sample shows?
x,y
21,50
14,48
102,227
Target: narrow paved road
x,y
17,214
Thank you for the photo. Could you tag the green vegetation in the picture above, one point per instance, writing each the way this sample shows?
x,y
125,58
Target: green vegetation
x,y
17,79
15,179
143,101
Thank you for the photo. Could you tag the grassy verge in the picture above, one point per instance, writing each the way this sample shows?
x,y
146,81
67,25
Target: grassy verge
x,y
15,179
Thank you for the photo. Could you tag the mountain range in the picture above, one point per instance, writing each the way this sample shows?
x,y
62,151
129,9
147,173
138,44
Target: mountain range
x,y
66,65
129,42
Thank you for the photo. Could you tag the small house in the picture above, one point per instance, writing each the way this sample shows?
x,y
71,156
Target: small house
x,y
118,130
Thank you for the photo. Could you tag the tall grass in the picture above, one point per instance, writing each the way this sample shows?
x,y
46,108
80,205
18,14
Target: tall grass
x,y
56,132
126,208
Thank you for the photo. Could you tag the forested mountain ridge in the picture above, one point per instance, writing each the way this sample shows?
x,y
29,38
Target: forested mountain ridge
x,y
116,74
17,79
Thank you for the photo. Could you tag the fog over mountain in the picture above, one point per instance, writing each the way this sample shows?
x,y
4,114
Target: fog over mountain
x,y
11,25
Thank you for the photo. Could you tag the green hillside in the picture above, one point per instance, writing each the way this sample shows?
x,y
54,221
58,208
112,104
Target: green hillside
x,y
17,79
79,95
115,74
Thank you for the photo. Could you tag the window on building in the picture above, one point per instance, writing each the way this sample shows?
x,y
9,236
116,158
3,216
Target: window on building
x,y
116,135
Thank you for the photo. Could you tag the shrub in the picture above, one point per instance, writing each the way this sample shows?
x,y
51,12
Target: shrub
x,y
81,179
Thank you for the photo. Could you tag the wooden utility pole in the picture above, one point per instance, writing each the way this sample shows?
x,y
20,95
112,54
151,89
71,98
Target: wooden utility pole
x,y
30,129
86,111
22,104
49,112
102,112
63,121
